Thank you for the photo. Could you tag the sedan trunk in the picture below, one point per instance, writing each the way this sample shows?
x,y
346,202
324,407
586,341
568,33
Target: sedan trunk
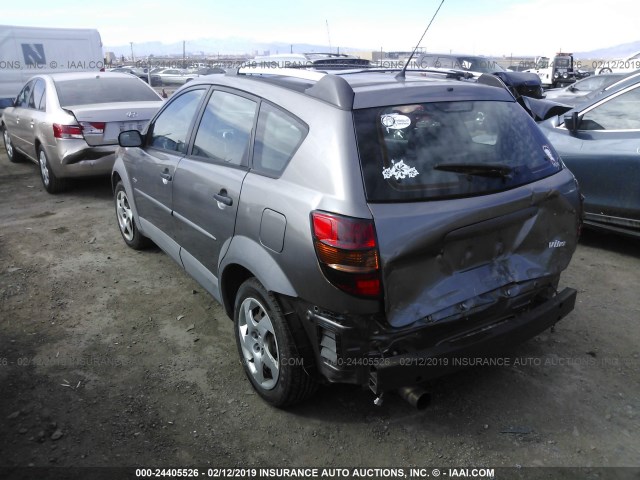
x,y
103,123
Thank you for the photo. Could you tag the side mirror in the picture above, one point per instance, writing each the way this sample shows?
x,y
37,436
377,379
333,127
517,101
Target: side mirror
x,y
572,122
130,138
7,102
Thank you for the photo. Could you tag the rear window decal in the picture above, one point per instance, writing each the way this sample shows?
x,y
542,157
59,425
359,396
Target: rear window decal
x,y
399,171
549,154
395,121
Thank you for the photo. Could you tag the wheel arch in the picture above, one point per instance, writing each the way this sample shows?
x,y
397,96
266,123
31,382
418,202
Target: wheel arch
x,y
115,178
246,258
36,146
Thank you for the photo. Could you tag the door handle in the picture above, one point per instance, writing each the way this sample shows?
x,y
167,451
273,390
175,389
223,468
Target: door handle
x,y
222,197
166,176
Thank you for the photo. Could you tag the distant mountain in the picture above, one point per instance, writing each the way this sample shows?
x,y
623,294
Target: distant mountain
x,y
619,51
214,46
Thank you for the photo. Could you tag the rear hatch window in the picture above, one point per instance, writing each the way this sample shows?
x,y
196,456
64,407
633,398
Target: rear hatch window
x,y
438,150
100,89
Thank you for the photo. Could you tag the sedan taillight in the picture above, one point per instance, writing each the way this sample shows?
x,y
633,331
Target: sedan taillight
x,y
348,253
67,131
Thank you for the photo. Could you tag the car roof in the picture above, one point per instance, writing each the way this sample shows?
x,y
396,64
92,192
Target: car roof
x,y
355,89
67,76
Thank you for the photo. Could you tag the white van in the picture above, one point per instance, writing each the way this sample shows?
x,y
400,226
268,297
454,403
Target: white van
x,y
27,51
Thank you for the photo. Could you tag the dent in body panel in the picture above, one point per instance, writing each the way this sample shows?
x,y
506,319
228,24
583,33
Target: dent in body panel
x,y
440,263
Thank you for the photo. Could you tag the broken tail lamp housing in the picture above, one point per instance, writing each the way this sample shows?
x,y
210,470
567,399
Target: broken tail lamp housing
x,y
348,253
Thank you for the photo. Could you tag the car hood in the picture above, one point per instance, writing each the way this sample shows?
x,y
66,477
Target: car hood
x,y
518,78
542,109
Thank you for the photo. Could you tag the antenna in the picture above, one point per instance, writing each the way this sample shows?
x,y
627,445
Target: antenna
x,y
328,34
402,73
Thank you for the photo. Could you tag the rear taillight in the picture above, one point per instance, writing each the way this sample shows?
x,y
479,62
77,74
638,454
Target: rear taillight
x,y
92,128
67,131
348,253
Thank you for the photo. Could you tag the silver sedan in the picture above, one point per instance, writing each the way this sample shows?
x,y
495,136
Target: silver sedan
x,y
68,123
172,76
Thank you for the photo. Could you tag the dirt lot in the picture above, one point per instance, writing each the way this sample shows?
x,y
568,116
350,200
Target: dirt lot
x,y
111,357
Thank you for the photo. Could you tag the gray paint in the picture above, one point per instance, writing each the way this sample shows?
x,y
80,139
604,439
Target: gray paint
x,y
272,228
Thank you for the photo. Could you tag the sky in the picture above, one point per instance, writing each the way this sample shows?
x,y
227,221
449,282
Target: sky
x,y
488,27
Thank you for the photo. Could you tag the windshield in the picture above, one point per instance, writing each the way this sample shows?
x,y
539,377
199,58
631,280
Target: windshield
x,y
449,149
99,89
563,62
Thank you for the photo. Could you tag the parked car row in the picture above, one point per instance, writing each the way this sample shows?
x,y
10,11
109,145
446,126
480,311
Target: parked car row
x,y
573,93
358,226
520,83
177,76
142,73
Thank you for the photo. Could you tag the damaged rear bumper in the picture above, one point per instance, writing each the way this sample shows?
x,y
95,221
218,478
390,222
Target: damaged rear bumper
x,y
453,354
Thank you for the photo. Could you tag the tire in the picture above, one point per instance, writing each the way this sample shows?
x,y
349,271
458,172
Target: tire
x,y
126,223
12,153
267,349
50,181
605,70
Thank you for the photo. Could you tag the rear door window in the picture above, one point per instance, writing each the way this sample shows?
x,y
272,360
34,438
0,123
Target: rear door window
x,y
449,149
225,129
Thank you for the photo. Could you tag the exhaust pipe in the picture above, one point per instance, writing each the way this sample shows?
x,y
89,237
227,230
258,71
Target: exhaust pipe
x,y
418,397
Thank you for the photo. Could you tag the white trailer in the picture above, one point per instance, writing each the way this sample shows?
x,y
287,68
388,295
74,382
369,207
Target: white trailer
x,y
27,51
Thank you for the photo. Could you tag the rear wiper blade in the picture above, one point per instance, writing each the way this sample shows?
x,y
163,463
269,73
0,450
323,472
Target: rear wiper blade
x,y
496,170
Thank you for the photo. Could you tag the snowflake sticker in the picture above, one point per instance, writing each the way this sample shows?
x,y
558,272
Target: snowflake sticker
x,y
399,171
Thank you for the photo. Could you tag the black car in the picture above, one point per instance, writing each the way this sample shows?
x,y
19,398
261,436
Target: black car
x,y
520,83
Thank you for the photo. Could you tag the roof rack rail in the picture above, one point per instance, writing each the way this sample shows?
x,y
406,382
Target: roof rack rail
x,y
447,73
330,87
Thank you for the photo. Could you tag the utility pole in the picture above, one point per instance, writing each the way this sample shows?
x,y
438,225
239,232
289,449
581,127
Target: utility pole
x,y
184,63
133,60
